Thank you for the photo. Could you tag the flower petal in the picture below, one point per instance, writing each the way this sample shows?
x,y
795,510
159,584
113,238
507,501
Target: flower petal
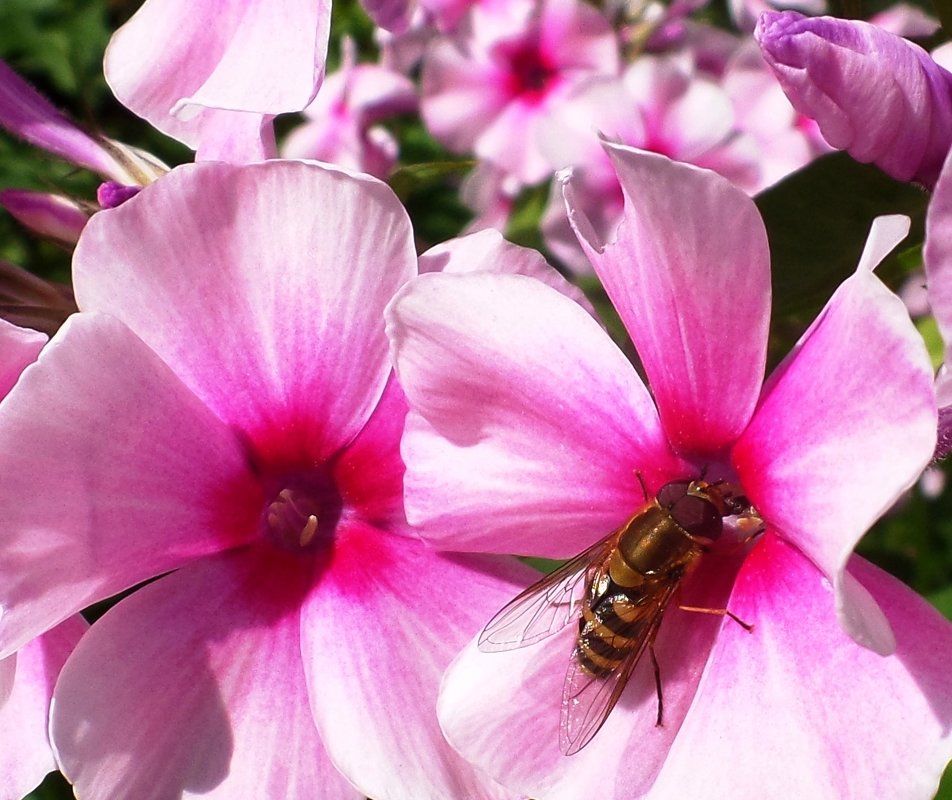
x,y
175,58
689,273
90,510
377,633
822,717
19,347
26,685
487,251
845,425
369,471
283,305
515,394
194,685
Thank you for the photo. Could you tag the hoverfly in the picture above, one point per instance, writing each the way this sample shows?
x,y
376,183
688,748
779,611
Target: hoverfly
x,y
629,578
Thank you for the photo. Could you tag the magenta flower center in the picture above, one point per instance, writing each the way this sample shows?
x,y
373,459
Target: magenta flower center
x,y
531,73
302,514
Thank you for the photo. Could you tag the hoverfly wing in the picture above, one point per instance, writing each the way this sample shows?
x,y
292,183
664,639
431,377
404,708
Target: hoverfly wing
x,y
549,604
587,700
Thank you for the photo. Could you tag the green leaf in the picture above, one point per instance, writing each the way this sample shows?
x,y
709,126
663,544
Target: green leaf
x,y
414,178
817,222
544,565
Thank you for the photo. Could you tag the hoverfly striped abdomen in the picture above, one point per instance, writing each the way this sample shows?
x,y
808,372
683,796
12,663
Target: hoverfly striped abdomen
x,y
608,631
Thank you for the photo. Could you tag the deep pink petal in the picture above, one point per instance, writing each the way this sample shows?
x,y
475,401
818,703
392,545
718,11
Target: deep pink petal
x,y
846,424
377,632
26,686
937,254
280,292
797,709
195,684
19,347
874,94
113,473
502,710
369,472
527,424
487,251
689,272
175,59
29,115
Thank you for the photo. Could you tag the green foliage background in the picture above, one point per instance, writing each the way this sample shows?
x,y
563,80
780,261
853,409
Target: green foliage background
x,y
817,221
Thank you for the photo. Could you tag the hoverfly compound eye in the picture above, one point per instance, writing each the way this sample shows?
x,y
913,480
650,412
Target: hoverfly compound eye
x,y
692,508
672,492
698,516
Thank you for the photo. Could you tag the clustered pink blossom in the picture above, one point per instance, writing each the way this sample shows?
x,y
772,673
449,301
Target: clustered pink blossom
x,y
282,448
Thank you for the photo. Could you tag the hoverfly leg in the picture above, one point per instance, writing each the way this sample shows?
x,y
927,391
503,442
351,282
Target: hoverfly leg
x,y
721,612
657,683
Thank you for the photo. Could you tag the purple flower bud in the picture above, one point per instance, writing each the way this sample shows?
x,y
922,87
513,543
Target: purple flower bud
x,y
873,94
111,194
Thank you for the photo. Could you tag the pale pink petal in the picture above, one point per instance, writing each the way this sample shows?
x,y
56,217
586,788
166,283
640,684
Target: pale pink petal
x,y
937,254
176,59
510,142
26,686
845,425
502,710
235,137
601,197
50,215
797,709
487,251
91,510
19,347
280,292
194,686
689,273
459,96
528,425
905,19
27,114
377,633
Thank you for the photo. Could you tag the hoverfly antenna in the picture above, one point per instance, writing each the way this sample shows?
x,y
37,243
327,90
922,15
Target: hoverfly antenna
x,y
641,480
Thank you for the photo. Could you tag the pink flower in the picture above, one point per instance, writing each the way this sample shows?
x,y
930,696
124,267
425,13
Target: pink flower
x,y
342,121
214,74
529,430
487,89
222,410
875,95
27,676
